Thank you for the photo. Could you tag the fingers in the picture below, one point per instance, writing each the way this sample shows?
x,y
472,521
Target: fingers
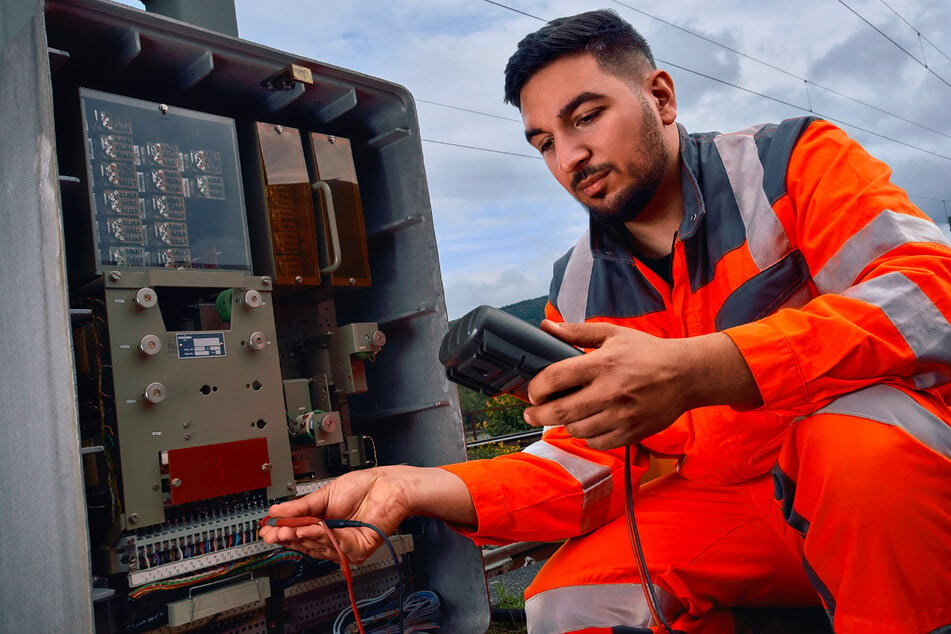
x,y
312,504
587,335
561,411
356,544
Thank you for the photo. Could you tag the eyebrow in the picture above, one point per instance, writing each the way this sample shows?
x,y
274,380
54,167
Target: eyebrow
x,y
566,110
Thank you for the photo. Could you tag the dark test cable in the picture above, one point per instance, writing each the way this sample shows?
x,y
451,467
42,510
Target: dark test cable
x,y
646,584
396,562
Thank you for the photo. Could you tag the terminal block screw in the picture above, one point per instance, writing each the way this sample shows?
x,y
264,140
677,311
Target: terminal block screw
x,y
257,341
266,281
279,129
176,482
115,276
163,108
291,486
134,518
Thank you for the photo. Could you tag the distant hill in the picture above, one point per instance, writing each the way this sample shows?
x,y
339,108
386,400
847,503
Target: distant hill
x,y
530,310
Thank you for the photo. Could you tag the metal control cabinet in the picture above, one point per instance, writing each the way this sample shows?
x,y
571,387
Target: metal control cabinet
x,y
278,328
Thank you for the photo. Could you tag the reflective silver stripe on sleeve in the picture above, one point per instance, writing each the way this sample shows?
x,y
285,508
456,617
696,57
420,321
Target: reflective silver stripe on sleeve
x,y
918,320
573,294
885,232
766,238
893,407
578,607
595,479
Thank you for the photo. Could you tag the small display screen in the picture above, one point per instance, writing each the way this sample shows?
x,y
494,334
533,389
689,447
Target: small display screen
x,y
164,184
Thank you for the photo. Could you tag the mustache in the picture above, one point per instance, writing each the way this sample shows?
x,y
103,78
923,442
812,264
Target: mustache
x,y
586,171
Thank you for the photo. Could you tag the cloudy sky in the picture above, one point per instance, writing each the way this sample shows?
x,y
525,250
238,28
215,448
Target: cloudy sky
x,y
879,68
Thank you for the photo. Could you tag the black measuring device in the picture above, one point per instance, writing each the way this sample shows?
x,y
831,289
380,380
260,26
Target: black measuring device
x,y
493,352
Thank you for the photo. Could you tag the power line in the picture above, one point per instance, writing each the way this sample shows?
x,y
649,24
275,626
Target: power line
x,y
818,114
759,94
784,71
883,34
482,149
499,4
484,114
918,33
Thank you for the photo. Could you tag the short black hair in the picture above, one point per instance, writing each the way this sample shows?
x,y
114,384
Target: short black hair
x,y
617,46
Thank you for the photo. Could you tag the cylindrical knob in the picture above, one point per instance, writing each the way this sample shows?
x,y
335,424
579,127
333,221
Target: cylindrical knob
x,y
252,299
154,393
329,422
146,297
257,341
150,345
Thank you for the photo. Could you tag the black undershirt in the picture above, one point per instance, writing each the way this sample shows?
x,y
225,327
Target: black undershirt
x,y
661,266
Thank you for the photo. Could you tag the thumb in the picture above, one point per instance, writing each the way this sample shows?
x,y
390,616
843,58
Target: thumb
x,y
580,335
308,505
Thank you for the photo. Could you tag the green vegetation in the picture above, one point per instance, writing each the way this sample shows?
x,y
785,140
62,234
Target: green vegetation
x,y
530,310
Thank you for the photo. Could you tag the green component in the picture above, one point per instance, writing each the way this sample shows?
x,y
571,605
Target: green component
x,y
223,305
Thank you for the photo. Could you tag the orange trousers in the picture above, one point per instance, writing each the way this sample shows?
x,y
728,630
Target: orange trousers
x,y
855,516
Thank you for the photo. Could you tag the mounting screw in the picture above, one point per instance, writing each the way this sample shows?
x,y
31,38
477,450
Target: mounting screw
x,y
134,518
291,486
332,139
266,281
352,281
163,108
298,280
155,486
188,435
115,276
266,467
279,129
176,482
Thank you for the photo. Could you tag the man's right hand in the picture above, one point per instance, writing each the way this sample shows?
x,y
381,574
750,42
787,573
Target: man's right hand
x,y
383,497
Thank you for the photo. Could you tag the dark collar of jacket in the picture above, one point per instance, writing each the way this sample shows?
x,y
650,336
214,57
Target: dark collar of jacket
x,y
613,242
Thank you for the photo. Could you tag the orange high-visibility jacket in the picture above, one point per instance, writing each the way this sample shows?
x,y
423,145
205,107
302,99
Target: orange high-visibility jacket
x,y
795,244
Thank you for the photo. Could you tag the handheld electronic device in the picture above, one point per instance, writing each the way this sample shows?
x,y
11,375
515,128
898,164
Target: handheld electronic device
x,y
493,352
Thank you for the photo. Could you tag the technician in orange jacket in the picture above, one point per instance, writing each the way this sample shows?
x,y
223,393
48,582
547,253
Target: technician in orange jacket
x,y
764,305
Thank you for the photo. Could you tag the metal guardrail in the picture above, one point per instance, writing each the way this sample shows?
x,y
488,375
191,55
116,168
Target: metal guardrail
x,y
523,438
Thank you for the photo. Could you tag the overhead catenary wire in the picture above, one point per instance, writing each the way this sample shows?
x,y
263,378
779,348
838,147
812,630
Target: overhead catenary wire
x,y
806,81
890,39
724,82
789,73
917,32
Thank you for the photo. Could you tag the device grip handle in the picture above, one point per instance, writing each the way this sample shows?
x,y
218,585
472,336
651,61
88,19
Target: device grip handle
x,y
332,225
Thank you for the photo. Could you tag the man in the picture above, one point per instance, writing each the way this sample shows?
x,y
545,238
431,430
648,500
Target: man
x,y
764,305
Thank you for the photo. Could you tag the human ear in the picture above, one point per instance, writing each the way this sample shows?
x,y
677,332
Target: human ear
x,y
661,87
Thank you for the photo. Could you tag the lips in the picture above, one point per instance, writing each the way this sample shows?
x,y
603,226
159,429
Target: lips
x,y
592,185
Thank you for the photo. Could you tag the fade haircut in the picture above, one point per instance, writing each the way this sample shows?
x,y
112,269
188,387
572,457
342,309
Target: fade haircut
x,y
615,44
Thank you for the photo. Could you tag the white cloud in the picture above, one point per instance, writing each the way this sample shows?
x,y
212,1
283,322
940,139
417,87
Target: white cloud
x,y
500,220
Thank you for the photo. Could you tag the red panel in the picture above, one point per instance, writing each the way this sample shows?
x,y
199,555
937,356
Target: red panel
x,y
212,470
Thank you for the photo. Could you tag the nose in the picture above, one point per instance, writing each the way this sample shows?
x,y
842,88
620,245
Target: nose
x,y
571,155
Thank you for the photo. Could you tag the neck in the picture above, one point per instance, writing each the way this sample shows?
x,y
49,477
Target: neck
x,y
654,227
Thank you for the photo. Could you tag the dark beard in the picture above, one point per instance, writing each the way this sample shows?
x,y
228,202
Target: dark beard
x,y
632,200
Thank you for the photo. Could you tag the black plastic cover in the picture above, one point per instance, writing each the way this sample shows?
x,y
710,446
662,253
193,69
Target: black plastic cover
x,y
493,352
